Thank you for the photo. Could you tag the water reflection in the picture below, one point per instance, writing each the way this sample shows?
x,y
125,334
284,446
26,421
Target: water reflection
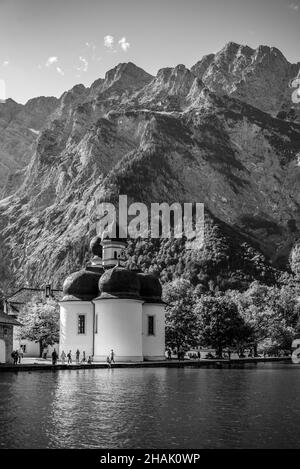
x,y
152,408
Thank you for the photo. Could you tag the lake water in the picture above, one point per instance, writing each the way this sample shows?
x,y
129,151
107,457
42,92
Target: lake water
x,y
256,406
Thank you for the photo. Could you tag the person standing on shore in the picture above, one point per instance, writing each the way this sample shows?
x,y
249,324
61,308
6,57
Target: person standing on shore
x,y
69,357
15,357
20,354
112,356
77,356
63,357
54,357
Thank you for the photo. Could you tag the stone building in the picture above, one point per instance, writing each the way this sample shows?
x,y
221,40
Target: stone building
x,y
7,324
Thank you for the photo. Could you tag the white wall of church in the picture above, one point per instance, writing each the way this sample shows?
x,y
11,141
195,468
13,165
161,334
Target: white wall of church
x,y
69,336
119,328
154,345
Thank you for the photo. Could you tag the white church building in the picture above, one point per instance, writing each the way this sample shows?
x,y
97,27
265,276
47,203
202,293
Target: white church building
x,y
107,306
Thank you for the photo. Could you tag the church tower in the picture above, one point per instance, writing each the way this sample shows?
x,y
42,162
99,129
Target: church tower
x,y
112,252
109,249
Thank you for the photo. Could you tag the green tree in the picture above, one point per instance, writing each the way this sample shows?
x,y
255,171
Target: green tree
x,y
220,323
40,320
182,331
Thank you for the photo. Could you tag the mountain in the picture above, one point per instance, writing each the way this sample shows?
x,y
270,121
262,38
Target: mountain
x,y
196,135
20,126
259,77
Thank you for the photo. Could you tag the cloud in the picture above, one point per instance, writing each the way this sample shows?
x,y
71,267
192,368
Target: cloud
x,y
83,65
60,71
90,45
109,41
5,63
124,44
294,6
92,51
51,60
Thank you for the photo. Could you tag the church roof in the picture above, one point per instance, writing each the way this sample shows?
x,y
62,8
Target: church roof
x,y
8,320
151,290
119,282
81,285
116,282
24,295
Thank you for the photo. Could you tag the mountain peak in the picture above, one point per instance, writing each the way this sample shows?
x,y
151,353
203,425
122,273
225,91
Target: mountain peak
x,y
126,76
258,76
233,48
9,108
231,45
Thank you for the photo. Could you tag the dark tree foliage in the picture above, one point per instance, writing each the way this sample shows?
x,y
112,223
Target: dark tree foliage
x,y
220,324
182,331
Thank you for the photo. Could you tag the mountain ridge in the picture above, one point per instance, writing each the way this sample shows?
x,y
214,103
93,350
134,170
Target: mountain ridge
x,y
173,137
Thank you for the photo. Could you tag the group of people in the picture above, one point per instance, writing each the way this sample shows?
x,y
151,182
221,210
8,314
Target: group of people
x,y
67,358
110,358
181,354
17,355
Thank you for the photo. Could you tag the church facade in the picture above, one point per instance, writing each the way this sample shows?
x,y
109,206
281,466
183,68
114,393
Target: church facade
x,y
107,306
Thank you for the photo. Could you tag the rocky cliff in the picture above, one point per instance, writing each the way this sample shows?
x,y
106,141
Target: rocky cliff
x,y
260,77
209,134
20,126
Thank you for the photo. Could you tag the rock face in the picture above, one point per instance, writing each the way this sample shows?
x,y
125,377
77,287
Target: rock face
x,y
19,129
258,77
199,135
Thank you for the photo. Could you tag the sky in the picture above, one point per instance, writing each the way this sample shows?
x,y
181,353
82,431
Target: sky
x,y
48,46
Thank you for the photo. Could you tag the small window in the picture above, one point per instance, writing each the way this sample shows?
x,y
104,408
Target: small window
x,y
23,347
115,254
5,331
150,325
81,324
96,324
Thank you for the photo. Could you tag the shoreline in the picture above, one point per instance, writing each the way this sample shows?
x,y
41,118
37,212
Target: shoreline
x,y
173,363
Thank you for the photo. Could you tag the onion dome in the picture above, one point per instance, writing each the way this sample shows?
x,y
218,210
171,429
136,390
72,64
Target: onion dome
x,y
95,246
119,282
81,285
151,290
